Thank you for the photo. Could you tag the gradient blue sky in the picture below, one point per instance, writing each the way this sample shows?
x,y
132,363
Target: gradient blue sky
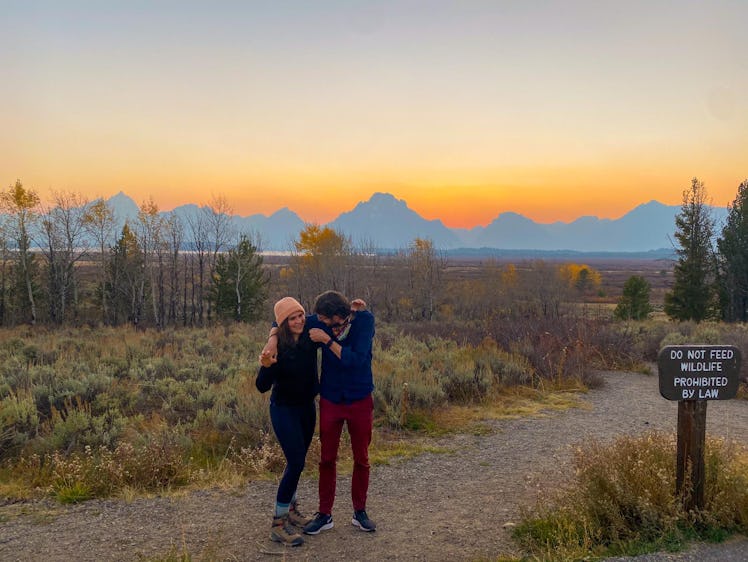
x,y
464,109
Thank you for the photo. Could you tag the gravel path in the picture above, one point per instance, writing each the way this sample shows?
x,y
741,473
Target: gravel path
x,y
438,506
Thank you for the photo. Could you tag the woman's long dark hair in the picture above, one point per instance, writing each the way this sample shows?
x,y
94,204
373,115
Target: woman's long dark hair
x,y
285,337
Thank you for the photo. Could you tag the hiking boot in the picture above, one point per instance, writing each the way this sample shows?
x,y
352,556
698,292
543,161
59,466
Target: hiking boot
x,y
295,517
282,532
362,521
321,522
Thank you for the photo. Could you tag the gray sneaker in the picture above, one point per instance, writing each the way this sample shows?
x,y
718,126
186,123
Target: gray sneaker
x,y
321,522
362,521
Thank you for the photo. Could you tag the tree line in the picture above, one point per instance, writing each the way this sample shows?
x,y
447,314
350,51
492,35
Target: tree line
x,y
64,262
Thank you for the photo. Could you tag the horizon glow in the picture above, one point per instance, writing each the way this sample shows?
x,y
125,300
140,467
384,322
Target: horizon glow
x,y
551,110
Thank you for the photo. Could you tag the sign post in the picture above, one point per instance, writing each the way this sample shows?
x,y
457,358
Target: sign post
x,y
693,374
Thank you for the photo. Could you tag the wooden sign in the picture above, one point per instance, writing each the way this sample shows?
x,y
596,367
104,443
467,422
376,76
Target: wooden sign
x,y
699,372
693,374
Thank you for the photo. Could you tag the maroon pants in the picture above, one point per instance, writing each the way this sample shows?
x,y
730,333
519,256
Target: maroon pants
x,y
359,416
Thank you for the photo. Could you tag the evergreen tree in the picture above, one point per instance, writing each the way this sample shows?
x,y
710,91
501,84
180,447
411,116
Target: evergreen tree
x,y
732,257
239,288
634,303
693,293
126,272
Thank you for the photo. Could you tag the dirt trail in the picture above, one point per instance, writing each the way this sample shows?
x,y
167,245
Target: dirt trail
x,y
438,506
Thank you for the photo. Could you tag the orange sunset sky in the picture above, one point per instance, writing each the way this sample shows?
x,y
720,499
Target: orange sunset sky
x,y
465,109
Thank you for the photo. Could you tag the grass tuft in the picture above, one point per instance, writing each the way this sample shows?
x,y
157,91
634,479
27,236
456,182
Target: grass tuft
x,y
73,493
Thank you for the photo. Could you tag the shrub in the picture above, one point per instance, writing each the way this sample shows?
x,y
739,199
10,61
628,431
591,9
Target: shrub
x,y
507,369
155,463
628,490
623,500
74,427
406,380
647,339
674,338
251,413
14,372
464,381
726,485
267,456
708,334
19,421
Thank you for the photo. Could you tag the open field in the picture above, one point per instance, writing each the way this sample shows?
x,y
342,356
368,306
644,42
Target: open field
x,y
614,271
457,502
103,416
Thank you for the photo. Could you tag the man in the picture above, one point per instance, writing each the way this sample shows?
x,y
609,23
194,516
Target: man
x,y
345,397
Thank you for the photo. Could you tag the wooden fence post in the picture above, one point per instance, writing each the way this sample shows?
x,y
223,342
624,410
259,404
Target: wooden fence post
x,y
689,479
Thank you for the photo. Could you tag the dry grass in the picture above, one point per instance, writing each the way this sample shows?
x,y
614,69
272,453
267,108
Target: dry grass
x,y
623,501
113,411
508,403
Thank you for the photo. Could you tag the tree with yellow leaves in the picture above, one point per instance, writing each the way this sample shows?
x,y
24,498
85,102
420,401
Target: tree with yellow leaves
x,y
320,261
22,207
583,278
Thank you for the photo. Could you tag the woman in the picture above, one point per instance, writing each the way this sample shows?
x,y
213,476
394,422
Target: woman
x,y
292,374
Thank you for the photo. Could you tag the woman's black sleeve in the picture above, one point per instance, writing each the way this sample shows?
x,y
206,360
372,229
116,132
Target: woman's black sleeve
x,y
265,378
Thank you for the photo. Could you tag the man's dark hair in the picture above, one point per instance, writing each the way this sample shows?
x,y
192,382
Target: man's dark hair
x,y
331,303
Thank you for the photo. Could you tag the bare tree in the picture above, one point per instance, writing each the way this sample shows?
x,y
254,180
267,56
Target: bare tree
x,y
149,231
174,239
99,223
544,289
218,221
365,273
426,267
4,272
198,226
62,227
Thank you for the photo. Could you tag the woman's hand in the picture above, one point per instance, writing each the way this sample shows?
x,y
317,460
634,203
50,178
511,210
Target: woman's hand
x,y
268,357
357,305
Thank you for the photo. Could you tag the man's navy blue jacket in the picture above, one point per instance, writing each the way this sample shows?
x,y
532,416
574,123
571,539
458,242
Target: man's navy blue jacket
x,y
349,378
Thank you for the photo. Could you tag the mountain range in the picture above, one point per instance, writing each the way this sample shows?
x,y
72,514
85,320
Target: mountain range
x,y
387,223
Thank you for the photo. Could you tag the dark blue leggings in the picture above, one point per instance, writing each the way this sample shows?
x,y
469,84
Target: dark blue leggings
x,y
294,428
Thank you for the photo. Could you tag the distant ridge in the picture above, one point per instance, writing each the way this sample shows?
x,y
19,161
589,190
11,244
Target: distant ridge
x,y
390,224
386,223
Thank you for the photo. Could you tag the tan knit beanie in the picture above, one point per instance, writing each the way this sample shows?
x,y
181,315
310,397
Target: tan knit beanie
x,y
285,308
